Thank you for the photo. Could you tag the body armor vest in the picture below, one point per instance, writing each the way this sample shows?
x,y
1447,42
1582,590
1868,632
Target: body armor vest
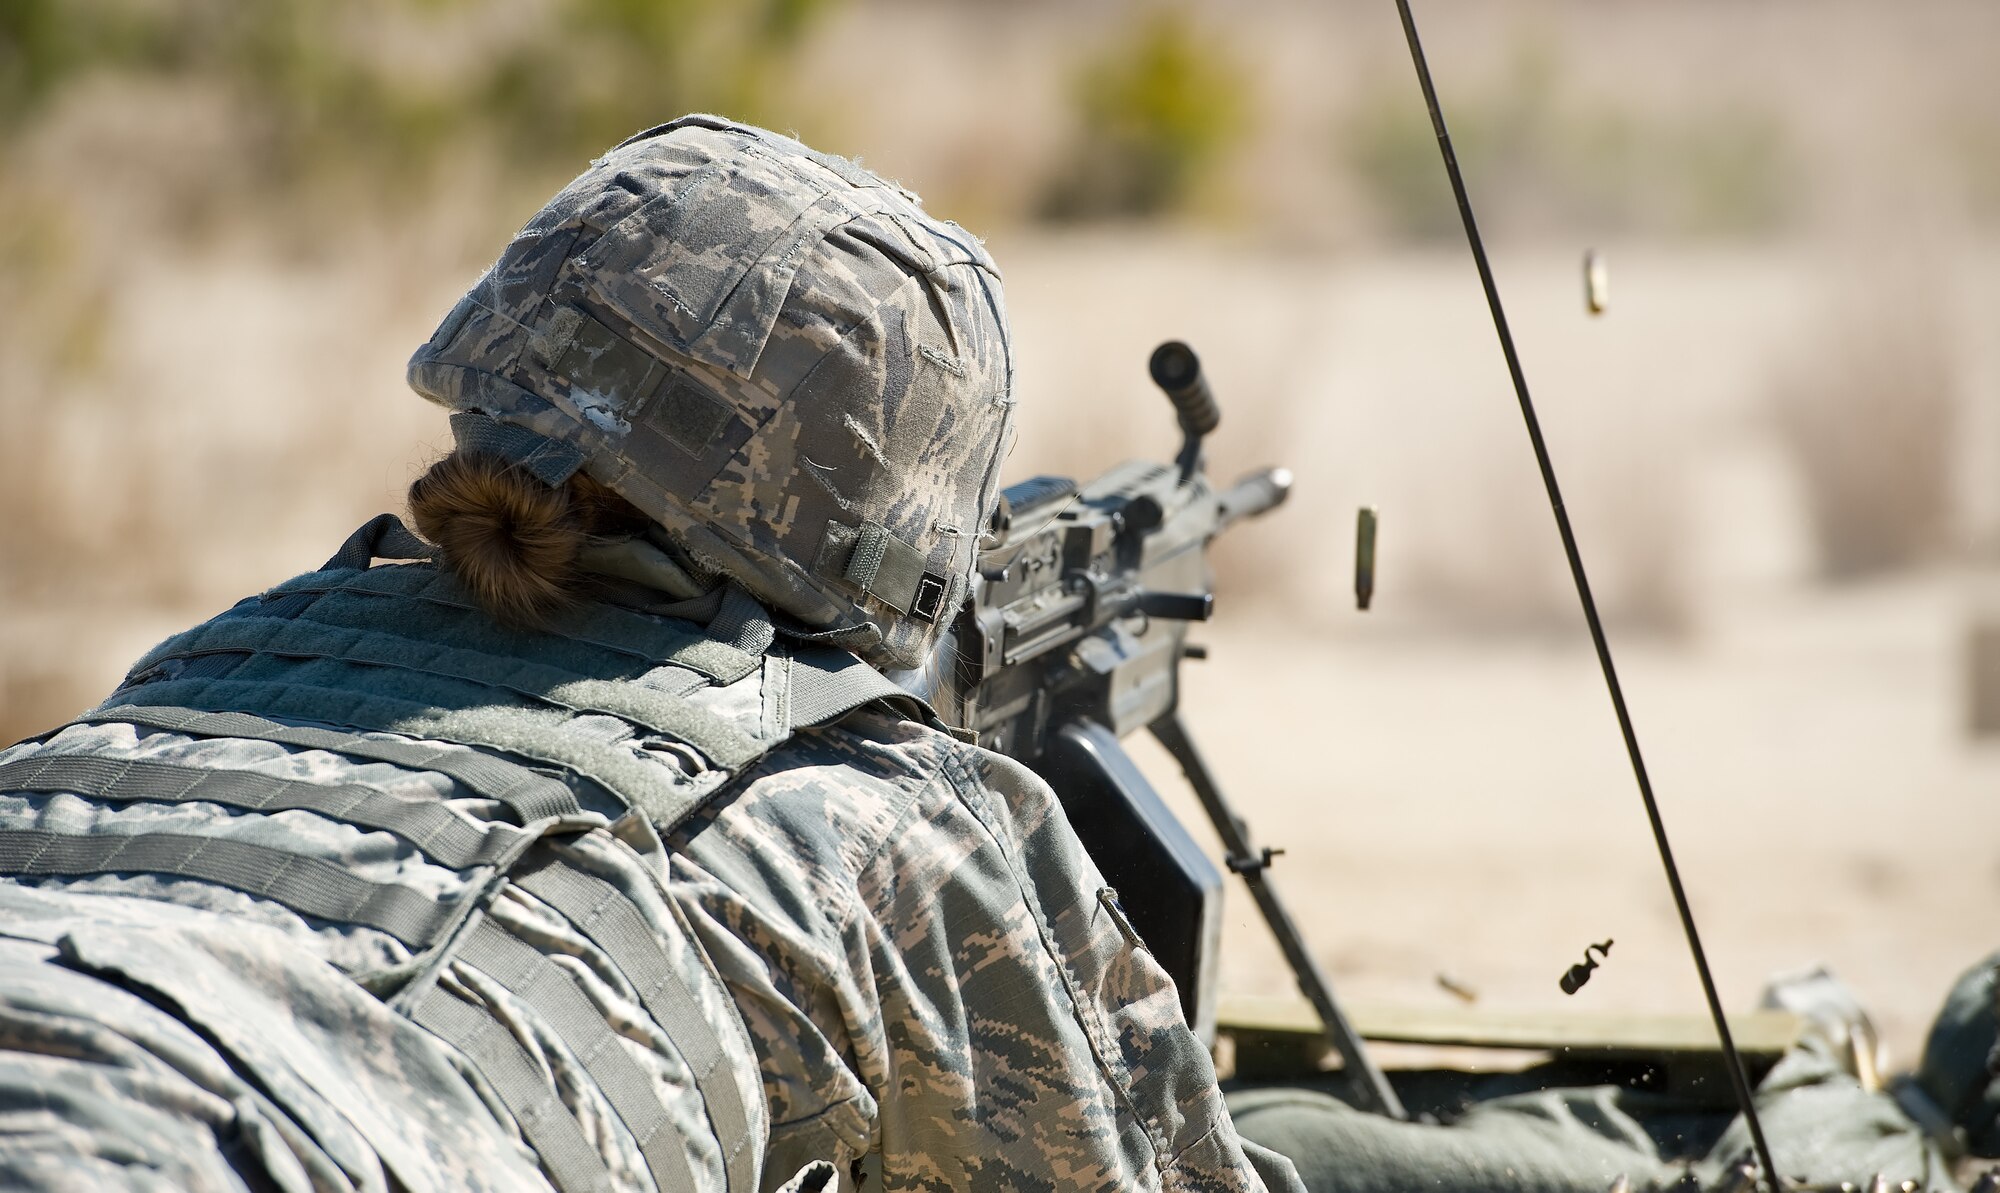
x,y
608,713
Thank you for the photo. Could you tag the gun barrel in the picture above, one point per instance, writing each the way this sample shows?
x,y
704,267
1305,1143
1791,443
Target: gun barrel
x,y
1258,493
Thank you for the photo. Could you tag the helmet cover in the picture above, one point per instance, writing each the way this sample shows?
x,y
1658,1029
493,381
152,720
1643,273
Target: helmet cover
x,y
777,356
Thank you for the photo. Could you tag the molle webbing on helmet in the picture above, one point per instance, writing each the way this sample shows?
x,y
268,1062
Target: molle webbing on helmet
x,y
307,885
530,796
435,830
611,923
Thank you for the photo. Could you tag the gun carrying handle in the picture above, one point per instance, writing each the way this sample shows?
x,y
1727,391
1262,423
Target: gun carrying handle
x,y
1177,371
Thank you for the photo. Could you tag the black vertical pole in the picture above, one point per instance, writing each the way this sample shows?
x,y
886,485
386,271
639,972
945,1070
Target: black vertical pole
x,y
1737,1076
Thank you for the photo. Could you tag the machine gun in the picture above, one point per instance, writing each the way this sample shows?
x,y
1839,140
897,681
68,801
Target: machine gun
x,y
1073,638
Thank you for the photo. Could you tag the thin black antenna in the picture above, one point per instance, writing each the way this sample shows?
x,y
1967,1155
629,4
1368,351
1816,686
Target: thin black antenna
x,y
1737,1076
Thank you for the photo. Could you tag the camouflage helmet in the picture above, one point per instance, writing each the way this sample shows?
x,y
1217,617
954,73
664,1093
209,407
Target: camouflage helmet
x,y
777,356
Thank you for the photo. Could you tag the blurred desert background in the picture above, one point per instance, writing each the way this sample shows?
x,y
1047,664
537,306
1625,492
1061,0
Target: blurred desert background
x,y
224,226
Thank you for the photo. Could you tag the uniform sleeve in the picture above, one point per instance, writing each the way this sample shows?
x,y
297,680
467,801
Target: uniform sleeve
x,y
941,989
1139,1069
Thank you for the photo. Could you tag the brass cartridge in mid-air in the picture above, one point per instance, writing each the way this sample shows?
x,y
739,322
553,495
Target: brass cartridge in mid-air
x,y
1364,557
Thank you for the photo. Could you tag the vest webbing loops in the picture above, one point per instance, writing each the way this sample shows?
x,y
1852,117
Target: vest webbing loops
x,y
550,1129
611,923
546,736
324,890
658,706
530,796
400,650
308,885
425,598
554,995
428,825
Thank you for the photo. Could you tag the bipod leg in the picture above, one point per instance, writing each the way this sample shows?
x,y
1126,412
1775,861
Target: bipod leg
x,y
1369,1083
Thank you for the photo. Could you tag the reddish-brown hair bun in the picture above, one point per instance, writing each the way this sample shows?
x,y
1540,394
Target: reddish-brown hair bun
x,y
511,539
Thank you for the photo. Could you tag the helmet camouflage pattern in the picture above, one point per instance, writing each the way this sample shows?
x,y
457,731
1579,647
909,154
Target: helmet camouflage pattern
x,y
776,355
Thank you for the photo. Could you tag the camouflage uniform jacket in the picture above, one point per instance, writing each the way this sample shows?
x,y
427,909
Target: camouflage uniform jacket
x,y
938,990
935,973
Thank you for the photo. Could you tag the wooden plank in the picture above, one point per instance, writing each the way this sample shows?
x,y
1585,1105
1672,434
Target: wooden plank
x,y
1765,1034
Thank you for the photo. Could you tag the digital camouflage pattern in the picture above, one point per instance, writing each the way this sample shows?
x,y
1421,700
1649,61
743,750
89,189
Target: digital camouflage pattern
x,y
773,353
298,1002
919,974
155,1046
1825,1129
935,973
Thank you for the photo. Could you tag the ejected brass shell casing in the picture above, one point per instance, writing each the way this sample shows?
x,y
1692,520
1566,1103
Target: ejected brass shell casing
x,y
1457,989
1364,557
1578,974
1596,283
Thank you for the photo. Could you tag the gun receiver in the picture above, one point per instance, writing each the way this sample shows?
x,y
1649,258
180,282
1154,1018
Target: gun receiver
x,y
1073,638
1084,604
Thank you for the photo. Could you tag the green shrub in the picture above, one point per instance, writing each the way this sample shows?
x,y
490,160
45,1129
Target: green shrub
x,y
1156,113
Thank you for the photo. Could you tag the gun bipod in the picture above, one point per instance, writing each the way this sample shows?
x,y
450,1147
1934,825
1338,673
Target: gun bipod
x,y
1371,1086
